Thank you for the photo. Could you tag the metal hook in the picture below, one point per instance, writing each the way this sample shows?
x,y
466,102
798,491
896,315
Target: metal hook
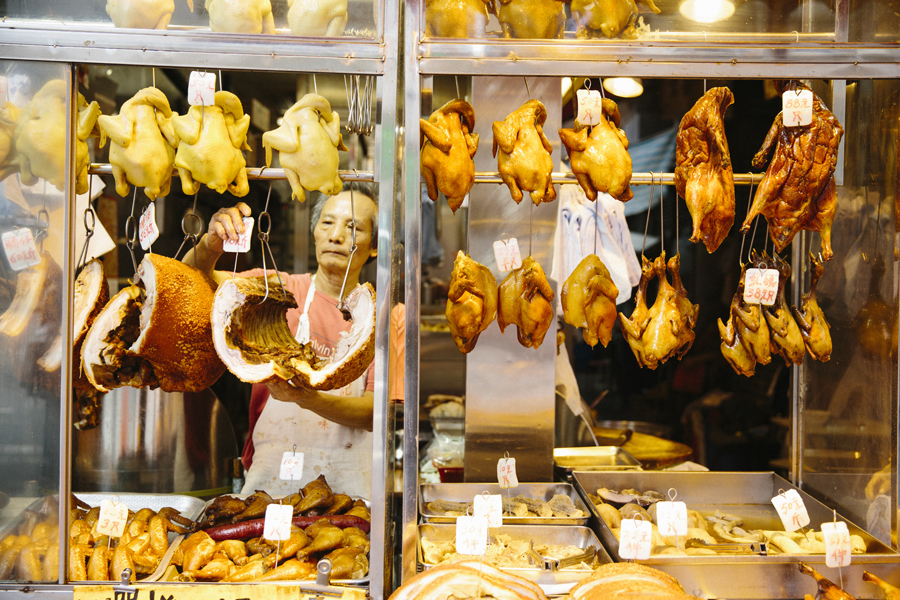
x,y
672,493
647,223
264,243
342,304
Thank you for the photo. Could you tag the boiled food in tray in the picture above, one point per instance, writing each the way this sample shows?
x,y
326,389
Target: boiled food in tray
x,y
471,301
608,18
523,151
30,551
588,300
526,301
520,506
448,144
504,551
142,14
240,16
470,578
814,327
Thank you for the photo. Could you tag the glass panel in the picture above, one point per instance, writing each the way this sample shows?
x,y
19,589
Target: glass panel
x,y
32,205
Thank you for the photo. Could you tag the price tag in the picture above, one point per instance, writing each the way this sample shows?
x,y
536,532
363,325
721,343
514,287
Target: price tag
x,y
202,89
791,509
148,232
837,544
506,252
760,286
489,506
243,243
20,249
277,526
506,473
113,516
635,538
471,535
590,107
671,518
291,465
797,108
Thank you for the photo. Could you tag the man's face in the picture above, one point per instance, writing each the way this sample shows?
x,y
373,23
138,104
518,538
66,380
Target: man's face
x,y
333,232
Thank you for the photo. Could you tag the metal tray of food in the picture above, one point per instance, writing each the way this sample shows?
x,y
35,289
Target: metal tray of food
x,y
553,583
593,458
747,495
466,492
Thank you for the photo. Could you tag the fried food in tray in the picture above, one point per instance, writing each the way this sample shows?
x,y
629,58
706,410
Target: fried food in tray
x,y
29,550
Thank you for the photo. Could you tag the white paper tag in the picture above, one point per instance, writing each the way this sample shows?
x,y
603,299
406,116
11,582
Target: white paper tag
x,y
277,526
797,108
291,466
147,231
506,473
113,516
202,89
491,508
791,509
760,286
590,107
506,252
671,518
471,535
635,538
20,249
837,544
243,243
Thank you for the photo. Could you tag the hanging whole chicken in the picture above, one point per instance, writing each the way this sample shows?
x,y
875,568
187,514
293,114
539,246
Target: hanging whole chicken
x,y
210,140
317,18
703,173
471,301
524,159
531,19
308,142
607,17
814,327
526,301
798,190
600,159
240,16
457,18
448,147
783,330
142,14
589,300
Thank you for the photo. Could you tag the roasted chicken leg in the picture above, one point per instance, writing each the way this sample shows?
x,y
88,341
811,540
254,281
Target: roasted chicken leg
x,y
525,300
814,328
890,592
448,146
783,330
472,301
827,589
589,300
524,159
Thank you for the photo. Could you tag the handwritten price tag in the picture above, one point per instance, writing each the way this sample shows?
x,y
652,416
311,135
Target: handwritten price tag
x,y
113,516
471,535
277,526
148,232
760,286
791,509
506,252
635,537
837,544
202,89
506,473
491,508
291,465
671,518
243,243
797,108
20,249
590,107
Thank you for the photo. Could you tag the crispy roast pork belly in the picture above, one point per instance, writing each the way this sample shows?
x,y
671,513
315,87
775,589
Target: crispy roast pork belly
x,y
254,341
156,332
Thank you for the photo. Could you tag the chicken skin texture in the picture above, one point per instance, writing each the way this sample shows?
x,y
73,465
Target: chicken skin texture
x,y
210,140
525,300
589,300
308,142
633,327
783,330
240,16
745,338
600,159
457,18
798,190
142,14
890,592
317,18
703,173
472,301
531,19
814,328
607,17
524,158
448,147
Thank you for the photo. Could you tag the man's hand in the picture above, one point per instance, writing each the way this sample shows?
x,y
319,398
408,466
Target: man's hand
x,y
227,223
352,411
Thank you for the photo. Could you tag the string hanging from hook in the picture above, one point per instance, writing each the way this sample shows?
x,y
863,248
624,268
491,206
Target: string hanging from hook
x,y
753,237
315,85
88,229
530,226
221,84
527,89
647,223
131,222
153,71
596,223
744,235
456,77
662,222
263,236
342,304
677,226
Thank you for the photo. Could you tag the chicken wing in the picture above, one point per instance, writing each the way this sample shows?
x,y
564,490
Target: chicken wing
x,y
814,327
633,328
607,17
783,330
448,147
531,19
525,300
524,159
471,302
589,300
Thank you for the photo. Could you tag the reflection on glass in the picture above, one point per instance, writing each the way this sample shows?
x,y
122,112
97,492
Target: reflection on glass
x,y
707,11
624,87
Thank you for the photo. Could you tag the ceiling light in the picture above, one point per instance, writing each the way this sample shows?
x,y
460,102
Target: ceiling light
x,y
707,11
624,87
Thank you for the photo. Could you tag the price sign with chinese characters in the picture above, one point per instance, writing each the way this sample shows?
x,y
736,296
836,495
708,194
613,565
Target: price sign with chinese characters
x,y
506,473
791,509
148,232
760,286
671,518
837,544
471,535
20,249
489,506
291,465
202,89
243,243
797,108
590,107
277,526
112,518
507,254
635,538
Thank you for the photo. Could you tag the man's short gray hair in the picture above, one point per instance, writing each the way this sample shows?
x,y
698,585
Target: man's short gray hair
x,y
367,189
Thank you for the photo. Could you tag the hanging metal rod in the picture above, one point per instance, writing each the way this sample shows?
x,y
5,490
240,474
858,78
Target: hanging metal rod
x,y
636,178
254,173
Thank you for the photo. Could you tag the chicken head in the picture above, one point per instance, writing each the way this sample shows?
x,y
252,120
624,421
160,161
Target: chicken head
x,y
532,19
525,300
471,302
523,153
814,327
607,17
240,16
589,300
457,18
142,14
317,18
448,147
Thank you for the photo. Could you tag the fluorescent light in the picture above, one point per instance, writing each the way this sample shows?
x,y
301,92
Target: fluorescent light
x,y
566,85
707,11
624,87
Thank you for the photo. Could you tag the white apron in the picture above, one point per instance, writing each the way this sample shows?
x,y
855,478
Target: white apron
x,y
343,454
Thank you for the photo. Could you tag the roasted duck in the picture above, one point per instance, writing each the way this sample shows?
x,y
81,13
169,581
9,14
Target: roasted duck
x,y
308,142
798,190
457,18
827,590
890,592
784,333
318,18
589,300
703,174
240,16
448,147
531,19
142,14
471,302
525,300
607,17
524,159
600,160
745,338
814,328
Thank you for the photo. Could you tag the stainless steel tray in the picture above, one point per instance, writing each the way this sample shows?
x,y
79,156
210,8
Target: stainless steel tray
x,y
466,492
748,495
593,458
556,583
